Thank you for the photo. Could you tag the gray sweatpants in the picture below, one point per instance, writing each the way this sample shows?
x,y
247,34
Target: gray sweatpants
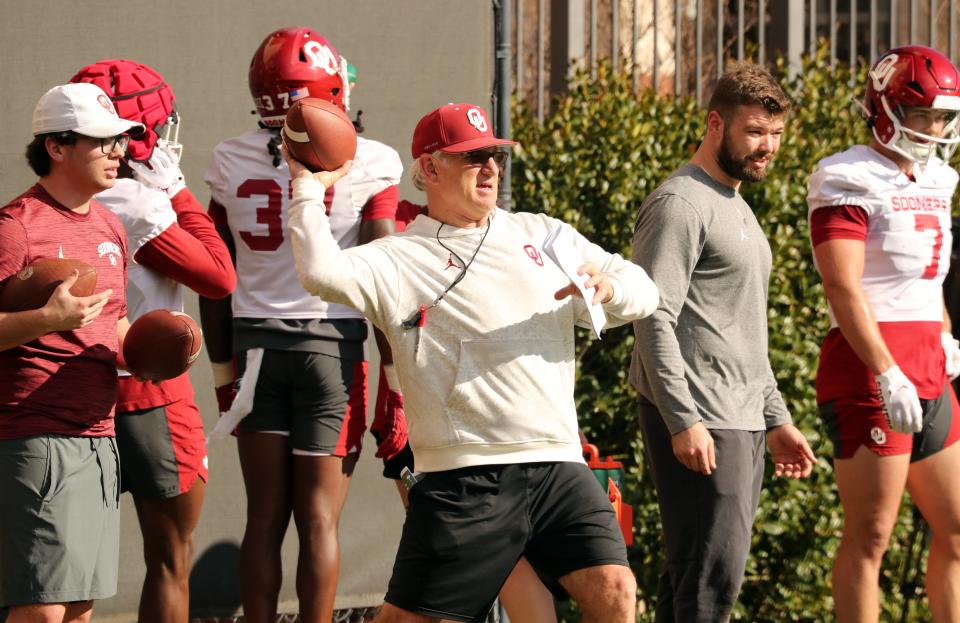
x,y
707,520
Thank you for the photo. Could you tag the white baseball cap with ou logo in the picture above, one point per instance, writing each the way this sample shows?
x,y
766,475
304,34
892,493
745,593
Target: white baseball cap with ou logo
x,y
83,108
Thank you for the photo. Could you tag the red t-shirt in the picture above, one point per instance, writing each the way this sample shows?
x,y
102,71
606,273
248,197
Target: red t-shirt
x,y
62,383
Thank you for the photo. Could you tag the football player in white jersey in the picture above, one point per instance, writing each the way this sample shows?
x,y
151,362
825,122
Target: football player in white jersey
x,y
172,243
303,356
880,229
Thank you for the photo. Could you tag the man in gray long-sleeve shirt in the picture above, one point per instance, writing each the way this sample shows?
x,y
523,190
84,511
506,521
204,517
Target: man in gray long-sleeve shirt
x,y
707,394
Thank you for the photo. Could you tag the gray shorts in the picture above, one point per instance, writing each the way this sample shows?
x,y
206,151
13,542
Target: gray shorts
x,y
59,519
318,400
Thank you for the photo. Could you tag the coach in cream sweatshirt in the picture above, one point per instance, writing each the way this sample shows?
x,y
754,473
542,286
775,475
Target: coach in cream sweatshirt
x,y
481,324
488,377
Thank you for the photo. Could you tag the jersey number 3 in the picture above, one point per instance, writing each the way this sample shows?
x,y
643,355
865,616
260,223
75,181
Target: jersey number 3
x,y
271,215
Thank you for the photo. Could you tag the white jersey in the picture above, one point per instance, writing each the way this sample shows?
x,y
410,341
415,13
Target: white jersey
x,y
908,242
255,195
145,213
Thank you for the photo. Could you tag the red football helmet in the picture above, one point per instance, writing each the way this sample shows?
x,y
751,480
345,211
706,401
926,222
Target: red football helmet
x,y
293,63
139,94
913,76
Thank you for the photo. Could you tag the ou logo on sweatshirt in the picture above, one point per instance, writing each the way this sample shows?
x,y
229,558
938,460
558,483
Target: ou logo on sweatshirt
x,y
533,254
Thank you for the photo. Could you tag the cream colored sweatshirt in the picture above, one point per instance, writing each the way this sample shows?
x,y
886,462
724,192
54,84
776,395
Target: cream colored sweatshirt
x,y
488,378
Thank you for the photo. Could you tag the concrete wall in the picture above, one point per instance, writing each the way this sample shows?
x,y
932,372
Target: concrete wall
x,y
411,56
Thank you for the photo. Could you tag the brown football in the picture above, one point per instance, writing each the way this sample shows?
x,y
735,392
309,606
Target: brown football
x,y
319,134
32,286
161,345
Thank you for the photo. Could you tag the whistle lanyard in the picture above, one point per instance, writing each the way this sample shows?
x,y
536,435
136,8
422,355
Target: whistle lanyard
x,y
419,317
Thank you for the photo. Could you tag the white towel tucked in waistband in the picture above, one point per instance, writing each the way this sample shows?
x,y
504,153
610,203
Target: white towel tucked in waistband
x,y
243,402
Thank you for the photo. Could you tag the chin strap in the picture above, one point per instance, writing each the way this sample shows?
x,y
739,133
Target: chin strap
x,y
274,147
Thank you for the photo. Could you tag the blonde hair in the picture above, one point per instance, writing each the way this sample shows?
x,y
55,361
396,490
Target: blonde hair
x,y
416,171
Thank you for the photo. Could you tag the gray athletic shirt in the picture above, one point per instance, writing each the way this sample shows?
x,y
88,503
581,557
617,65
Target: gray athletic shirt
x,y
703,354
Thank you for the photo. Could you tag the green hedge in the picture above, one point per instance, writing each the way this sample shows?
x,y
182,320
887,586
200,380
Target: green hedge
x,y
591,163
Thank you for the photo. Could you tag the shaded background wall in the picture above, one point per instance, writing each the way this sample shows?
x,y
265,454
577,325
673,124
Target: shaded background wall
x,y
411,56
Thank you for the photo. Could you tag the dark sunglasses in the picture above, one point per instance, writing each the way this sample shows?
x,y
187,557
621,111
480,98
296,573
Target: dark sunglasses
x,y
482,156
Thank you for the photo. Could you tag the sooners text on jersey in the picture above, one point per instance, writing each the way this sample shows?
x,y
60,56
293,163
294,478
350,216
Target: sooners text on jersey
x,y
908,237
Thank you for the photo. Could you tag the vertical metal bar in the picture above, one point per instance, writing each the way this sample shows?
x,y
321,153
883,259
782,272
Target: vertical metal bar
x,y
812,46
833,32
656,52
740,11
720,58
913,22
540,35
873,31
504,89
933,24
951,31
593,38
794,11
677,46
633,46
762,31
853,41
615,34
520,63
893,26
699,64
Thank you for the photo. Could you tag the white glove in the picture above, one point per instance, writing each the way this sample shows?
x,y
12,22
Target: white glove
x,y
900,401
951,349
162,170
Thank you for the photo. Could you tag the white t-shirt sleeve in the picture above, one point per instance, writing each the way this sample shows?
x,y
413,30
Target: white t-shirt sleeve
x,y
381,169
145,212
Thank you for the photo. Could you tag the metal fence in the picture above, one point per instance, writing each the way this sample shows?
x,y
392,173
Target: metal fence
x,y
681,46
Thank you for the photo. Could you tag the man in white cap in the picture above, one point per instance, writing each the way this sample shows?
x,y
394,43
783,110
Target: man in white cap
x,y
481,325
59,528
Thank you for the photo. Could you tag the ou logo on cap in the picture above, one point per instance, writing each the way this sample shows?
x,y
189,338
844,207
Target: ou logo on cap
x,y
477,120
105,102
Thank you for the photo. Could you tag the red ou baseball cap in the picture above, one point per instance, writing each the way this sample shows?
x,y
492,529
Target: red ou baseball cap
x,y
454,129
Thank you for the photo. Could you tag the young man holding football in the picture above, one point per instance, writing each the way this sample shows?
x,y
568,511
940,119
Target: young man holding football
x,y
59,510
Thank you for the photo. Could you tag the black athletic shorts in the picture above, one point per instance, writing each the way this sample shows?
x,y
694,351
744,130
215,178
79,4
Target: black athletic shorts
x,y
467,528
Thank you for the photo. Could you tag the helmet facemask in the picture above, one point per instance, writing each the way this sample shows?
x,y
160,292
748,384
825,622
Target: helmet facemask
x,y
168,134
345,77
916,145
914,80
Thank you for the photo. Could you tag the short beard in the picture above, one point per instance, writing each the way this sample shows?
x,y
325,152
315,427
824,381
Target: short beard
x,y
737,168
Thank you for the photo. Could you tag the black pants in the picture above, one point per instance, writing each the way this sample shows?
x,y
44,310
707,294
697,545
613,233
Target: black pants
x,y
707,521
